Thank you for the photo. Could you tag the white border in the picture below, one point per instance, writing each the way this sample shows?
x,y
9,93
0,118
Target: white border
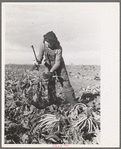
x,y
3,70
110,129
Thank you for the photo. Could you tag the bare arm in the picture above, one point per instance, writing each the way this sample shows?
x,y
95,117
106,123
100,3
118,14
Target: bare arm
x,y
57,60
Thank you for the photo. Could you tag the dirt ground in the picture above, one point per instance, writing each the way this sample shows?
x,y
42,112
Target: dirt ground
x,y
82,76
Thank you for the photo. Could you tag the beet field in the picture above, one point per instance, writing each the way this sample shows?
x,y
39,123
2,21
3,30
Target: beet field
x,y
56,123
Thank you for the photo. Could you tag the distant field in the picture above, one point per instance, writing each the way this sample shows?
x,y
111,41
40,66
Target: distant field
x,y
80,76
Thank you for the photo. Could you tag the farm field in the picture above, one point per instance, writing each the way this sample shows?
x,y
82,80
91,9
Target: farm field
x,y
56,123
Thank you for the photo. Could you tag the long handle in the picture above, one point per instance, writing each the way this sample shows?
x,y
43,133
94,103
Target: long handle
x,y
35,66
34,52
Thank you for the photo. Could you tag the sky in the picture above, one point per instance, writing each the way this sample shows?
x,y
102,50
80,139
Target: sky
x,y
83,29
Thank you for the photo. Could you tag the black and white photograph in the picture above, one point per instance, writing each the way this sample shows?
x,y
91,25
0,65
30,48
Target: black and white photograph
x,y
57,74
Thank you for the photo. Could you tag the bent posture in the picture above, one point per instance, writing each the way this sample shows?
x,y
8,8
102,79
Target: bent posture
x,y
52,50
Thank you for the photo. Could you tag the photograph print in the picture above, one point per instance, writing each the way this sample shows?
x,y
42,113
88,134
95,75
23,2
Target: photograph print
x,y
52,73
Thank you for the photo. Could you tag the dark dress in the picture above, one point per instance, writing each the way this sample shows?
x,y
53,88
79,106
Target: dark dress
x,y
54,59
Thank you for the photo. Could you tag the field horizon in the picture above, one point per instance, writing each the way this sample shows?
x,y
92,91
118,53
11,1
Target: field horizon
x,y
66,64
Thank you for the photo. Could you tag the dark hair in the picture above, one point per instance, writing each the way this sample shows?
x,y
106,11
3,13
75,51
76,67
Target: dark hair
x,y
50,35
